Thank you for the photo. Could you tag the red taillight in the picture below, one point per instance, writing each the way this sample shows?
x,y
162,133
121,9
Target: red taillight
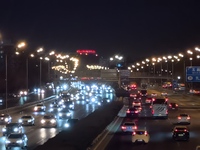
x,y
179,117
185,130
128,111
134,133
136,111
188,117
152,111
135,127
176,105
123,127
166,111
170,105
145,133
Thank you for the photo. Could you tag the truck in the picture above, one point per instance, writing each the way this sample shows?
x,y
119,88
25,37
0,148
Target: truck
x,y
159,108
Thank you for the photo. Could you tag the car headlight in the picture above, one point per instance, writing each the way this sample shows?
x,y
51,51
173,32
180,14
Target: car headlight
x,y
60,114
19,141
66,125
16,129
4,130
29,120
42,121
35,108
51,105
53,121
68,114
7,141
20,120
6,119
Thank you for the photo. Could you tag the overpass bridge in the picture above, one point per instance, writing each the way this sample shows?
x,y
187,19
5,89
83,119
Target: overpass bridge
x,y
121,75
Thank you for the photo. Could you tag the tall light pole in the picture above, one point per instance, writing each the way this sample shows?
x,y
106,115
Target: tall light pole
x,y
6,61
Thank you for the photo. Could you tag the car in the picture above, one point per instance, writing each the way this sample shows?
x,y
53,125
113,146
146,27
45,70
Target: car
x,y
183,118
148,100
136,103
40,108
12,128
71,122
154,94
173,106
143,92
55,107
5,118
49,120
23,93
27,120
132,112
140,136
16,140
64,114
181,133
139,108
164,93
128,127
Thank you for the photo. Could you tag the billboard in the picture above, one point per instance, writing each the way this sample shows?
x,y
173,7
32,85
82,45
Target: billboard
x,y
193,74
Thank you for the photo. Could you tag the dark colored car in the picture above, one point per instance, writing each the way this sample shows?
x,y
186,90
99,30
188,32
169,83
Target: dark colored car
x,y
132,112
173,106
71,122
12,128
181,133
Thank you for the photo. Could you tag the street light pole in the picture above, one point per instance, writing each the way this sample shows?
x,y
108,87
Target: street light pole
x,y
27,75
40,73
6,81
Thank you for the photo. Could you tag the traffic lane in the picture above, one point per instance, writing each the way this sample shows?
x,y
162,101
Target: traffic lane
x,y
38,135
160,134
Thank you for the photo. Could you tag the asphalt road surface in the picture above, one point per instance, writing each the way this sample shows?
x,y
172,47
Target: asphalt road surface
x,y
159,129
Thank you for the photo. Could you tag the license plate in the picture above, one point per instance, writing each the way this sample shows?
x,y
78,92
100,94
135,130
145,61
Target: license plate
x,y
139,140
180,134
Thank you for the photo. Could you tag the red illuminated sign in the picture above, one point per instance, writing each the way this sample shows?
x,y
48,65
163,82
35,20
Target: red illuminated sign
x,y
86,51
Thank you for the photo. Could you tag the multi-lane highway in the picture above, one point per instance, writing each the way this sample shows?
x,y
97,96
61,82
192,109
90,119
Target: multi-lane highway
x,y
36,134
160,130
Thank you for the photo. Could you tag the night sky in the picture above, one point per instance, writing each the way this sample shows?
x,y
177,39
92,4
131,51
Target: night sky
x,y
133,28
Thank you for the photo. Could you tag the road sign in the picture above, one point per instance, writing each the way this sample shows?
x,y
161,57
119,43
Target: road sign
x,y
125,73
193,74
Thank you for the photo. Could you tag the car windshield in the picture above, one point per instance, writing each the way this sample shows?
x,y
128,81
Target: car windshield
x,y
129,124
48,117
26,117
140,132
183,115
15,136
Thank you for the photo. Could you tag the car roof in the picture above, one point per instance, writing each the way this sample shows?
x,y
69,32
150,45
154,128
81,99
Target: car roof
x,y
12,124
129,123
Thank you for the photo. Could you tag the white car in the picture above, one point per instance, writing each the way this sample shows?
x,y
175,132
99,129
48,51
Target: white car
x,y
49,120
140,136
164,94
16,140
40,107
154,94
27,120
128,126
183,118
136,103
